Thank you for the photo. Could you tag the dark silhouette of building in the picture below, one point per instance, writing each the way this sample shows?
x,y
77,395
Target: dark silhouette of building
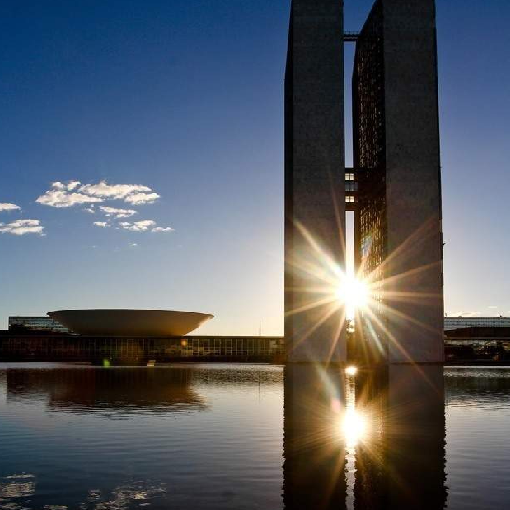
x,y
394,187
396,154
44,346
314,180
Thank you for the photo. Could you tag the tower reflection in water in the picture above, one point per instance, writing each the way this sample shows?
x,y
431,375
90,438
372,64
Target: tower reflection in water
x,y
371,440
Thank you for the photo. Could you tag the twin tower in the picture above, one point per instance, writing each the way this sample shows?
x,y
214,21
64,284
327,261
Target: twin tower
x,y
393,189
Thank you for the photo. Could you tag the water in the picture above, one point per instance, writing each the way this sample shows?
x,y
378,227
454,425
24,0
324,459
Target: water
x,y
252,436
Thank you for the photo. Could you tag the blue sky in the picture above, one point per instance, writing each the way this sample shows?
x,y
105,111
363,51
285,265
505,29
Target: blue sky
x,y
185,98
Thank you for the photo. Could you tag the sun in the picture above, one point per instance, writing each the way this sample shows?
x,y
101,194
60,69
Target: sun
x,y
353,294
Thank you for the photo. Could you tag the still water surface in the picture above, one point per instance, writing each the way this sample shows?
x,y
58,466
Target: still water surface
x,y
252,436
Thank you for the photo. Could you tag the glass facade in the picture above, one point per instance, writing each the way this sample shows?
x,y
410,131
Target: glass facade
x,y
140,350
370,142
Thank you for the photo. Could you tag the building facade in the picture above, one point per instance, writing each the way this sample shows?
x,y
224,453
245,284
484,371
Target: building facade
x,y
394,187
451,323
314,182
45,346
37,324
397,154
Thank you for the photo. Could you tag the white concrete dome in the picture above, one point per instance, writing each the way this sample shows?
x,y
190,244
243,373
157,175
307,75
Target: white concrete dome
x,y
130,323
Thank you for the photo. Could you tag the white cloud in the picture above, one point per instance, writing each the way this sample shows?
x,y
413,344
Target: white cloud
x,y
22,227
9,207
163,229
137,226
63,195
142,198
73,185
62,198
143,226
75,193
113,191
118,213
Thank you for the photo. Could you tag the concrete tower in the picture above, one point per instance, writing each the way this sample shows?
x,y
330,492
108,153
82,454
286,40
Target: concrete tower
x,y
314,182
397,157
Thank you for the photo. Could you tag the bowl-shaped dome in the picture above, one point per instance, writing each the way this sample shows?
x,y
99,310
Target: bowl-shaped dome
x,y
131,323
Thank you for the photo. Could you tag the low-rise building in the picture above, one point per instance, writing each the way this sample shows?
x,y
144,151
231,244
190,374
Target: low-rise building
x,y
475,322
36,324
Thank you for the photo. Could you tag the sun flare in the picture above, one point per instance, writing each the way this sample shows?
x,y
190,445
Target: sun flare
x,y
353,294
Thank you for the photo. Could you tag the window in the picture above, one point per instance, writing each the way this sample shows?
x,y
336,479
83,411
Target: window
x,y
349,177
349,199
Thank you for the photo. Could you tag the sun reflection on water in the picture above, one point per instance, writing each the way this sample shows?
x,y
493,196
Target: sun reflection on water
x,y
351,370
353,430
354,426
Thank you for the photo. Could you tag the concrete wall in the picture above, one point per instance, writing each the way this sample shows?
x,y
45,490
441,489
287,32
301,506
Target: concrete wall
x,y
414,288
314,180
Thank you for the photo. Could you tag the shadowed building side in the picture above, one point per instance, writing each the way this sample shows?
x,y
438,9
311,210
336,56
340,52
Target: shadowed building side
x,y
396,137
314,181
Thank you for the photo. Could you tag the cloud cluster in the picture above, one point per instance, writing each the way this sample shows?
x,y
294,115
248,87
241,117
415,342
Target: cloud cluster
x,y
19,227
141,198
9,207
143,226
117,213
137,226
75,193
163,229
22,227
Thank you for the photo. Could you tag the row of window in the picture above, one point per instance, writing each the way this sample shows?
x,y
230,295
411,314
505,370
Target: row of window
x,y
120,347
